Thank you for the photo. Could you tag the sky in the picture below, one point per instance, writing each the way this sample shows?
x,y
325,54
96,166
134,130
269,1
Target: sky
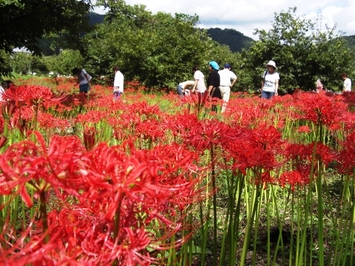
x,y
247,15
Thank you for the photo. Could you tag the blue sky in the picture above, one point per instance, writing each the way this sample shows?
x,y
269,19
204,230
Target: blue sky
x,y
247,15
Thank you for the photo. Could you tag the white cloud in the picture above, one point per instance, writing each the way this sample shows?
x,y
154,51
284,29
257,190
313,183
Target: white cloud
x,y
247,15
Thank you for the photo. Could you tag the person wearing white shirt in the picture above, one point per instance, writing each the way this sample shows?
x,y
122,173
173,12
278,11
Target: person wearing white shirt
x,y
227,81
5,84
118,83
199,78
182,87
347,82
270,81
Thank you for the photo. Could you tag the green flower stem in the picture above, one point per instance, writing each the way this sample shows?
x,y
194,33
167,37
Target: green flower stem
x,y
254,202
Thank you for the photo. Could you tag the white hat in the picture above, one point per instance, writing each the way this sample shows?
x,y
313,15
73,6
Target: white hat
x,y
271,63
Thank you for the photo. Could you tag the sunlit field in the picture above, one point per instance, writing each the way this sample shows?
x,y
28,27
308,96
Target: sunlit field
x,y
154,179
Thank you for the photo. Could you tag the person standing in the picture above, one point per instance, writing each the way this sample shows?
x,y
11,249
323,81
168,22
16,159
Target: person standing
x,y
347,82
270,81
227,79
213,83
118,83
83,79
199,81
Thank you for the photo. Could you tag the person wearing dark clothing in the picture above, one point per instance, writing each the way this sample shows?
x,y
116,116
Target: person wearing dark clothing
x,y
213,82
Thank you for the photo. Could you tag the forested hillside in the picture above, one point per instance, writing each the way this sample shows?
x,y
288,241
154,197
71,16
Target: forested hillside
x,y
236,40
351,40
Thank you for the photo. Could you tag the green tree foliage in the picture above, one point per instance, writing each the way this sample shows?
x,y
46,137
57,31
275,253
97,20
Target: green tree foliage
x,y
21,62
23,22
302,53
64,62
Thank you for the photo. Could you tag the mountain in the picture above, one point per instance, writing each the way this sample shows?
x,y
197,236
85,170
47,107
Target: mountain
x,y
232,38
350,40
96,18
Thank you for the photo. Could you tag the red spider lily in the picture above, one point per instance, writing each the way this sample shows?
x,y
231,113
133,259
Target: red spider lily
x,y
49,121
293,178
321,109
151,130
302,153
247,112
155,197
198,99
2,141
303,129
301,157
92,116
145,111
182,127
26,247
206,134
8,108
142,187
33,95
89,137
267,136
27,163
346,157
261,148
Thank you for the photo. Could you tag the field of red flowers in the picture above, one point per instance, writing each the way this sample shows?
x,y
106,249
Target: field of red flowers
x,y
153,179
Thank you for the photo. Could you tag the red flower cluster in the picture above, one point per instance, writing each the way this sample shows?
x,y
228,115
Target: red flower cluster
x,y
111,203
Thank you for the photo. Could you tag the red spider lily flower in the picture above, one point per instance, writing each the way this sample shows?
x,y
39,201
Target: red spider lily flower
x,y
182,127
302,153
151,130
267,136
346,157
8,108
89,137
303,129
49,121
197,99
27,163
301,158
151,190
146,111
261,148
26,247
150,182
321,109
33,95
293,178
92,116
2,141
206,134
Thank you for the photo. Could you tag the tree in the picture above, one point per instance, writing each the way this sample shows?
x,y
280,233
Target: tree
x,y
23,22
302,53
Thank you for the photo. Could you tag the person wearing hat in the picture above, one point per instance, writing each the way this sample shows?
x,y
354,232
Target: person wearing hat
x,y
270,81
213,83
227,80
199,81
